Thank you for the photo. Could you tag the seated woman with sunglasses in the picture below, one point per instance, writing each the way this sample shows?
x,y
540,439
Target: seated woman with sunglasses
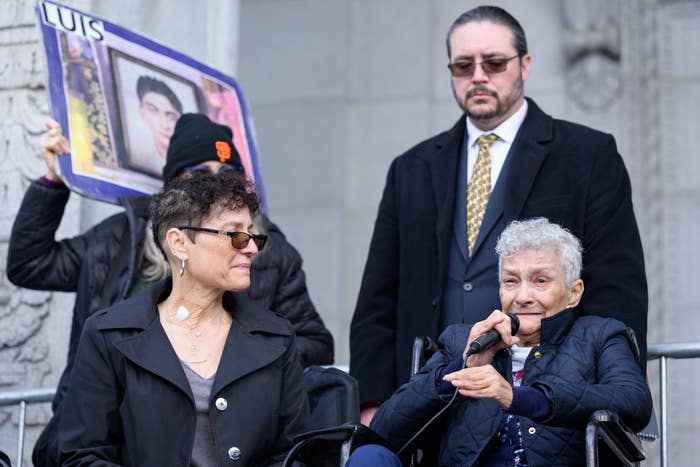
x,y
169,376
117,257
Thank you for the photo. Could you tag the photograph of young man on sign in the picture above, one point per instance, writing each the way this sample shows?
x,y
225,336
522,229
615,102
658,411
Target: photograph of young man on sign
x,y
150,100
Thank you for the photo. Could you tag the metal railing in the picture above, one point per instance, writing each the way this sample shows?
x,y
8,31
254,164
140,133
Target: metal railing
x,y
22,397
662,352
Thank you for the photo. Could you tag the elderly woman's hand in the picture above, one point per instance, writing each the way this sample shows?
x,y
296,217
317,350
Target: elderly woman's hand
x,y
500,322
482,382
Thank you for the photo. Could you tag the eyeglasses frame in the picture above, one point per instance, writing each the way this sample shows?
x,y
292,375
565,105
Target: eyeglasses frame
x,y
507,60
259,239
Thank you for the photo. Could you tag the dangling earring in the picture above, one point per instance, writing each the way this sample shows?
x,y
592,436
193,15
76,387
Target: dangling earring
x,y
182,267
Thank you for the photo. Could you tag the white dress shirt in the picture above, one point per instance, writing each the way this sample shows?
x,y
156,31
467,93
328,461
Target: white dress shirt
x,y
506,132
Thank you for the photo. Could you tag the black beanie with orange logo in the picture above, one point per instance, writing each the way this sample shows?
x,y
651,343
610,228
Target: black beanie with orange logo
x,y
197,139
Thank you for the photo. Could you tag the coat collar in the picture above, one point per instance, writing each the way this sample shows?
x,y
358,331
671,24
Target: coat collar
x,y
145,343
529,151
556,327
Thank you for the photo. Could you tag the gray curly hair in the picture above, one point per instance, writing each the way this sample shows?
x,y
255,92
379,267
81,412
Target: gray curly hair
x,y
539,234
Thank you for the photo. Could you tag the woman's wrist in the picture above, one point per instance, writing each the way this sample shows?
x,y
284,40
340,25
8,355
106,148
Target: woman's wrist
x,y
50,181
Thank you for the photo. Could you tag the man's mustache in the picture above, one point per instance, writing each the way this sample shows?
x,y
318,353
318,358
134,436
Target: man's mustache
x,y
480,90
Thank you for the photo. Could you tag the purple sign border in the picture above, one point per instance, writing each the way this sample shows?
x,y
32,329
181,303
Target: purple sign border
x,y
104,190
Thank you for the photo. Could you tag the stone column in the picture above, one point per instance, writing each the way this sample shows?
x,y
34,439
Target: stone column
x,y
661,92
34,326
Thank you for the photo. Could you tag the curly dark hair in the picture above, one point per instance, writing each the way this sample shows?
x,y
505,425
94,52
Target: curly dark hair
x,y
189,200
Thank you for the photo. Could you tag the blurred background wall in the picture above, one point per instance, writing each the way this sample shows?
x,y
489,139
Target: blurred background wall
x,y
337,89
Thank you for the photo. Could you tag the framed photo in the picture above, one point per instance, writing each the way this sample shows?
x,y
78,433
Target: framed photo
x,y
117,96
149,102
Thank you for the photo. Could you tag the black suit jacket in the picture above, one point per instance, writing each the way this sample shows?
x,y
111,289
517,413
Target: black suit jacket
x,y
568,173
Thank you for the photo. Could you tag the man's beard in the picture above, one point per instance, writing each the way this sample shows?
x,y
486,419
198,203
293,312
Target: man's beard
x,y
503,105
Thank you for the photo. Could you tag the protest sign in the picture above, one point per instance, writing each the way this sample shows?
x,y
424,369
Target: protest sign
x,y
117,96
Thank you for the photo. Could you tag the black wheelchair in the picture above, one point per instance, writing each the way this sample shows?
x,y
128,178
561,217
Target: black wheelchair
x,y
336,432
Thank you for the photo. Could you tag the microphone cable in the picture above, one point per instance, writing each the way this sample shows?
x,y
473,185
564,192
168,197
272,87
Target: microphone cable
x,y
515,325
413,438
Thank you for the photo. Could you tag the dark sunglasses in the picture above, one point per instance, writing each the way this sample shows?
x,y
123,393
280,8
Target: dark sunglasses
x,y
207,169
465,68
239,240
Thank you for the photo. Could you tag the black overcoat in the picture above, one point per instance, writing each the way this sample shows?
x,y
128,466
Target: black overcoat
x,y
568,173
129,402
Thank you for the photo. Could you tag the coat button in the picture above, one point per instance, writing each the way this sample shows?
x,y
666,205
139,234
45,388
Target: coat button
x,y
532,430
234,453
537,354
467,286
221,404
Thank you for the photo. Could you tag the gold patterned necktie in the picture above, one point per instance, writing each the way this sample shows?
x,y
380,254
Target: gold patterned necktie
x,y
479,189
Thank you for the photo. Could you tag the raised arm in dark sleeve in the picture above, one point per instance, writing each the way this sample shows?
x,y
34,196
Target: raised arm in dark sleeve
x,y
35,260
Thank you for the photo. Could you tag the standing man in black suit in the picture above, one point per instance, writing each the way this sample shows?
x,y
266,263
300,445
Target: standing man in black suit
x,y
432,262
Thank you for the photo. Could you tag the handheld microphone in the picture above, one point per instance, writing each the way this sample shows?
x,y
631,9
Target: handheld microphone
x,y
486,340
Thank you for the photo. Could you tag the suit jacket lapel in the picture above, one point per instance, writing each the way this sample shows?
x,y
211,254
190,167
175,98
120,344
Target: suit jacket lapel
x,y
528,152
443,168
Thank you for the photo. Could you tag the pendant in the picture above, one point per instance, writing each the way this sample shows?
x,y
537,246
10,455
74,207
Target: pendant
x,y
182,313
197,333
194,357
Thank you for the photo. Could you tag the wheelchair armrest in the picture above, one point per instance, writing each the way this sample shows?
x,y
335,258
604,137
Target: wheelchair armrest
x,y
423,348
620,440
331,443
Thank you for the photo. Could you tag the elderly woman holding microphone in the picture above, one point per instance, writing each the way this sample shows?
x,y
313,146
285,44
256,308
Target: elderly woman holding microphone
x,y
188,372
526,400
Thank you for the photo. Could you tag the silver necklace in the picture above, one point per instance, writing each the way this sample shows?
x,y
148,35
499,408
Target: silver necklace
x,y
181,314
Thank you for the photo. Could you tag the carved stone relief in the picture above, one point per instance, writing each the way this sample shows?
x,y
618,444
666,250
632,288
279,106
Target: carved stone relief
x,y
591,39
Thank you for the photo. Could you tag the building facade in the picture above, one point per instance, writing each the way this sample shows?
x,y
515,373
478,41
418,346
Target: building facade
x,y
337,89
